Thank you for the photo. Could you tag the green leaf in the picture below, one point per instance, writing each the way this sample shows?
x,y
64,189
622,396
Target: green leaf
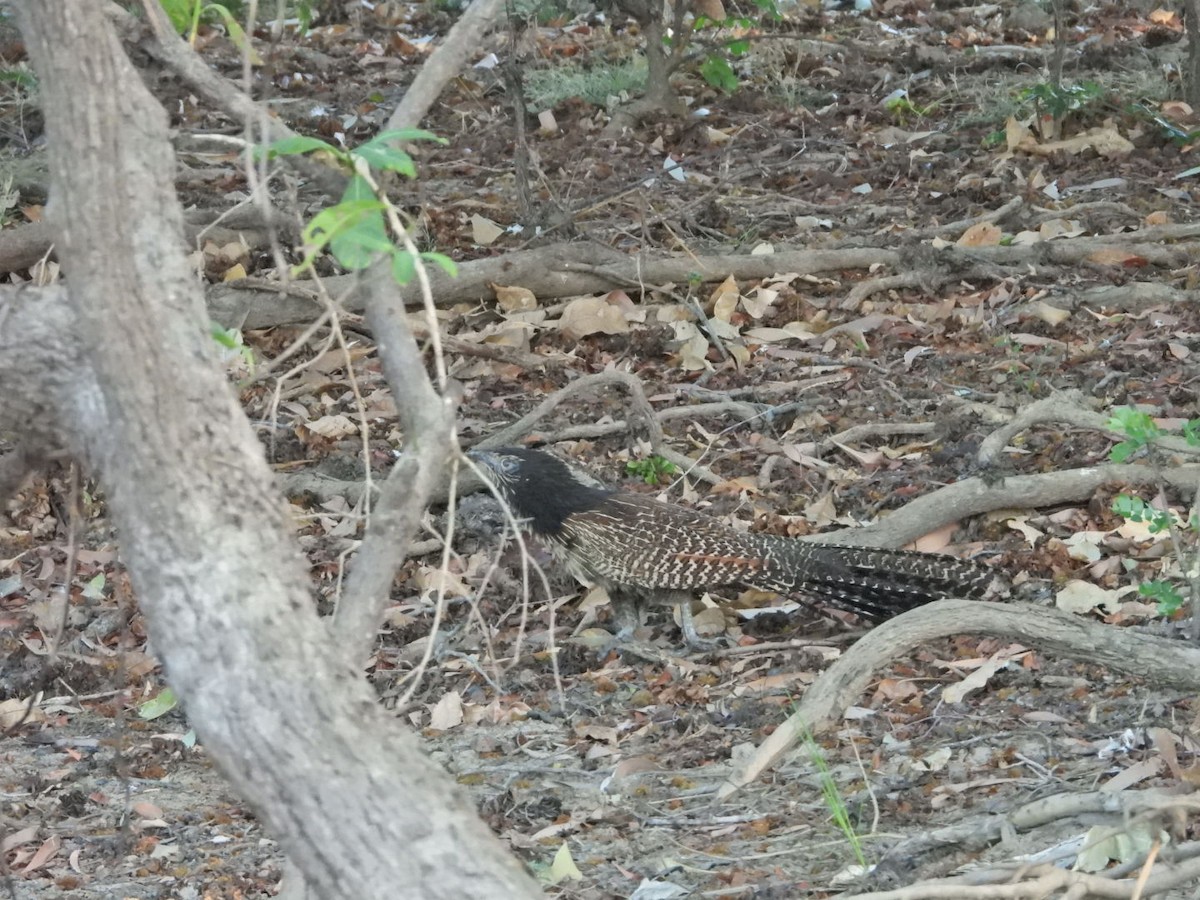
x,y
738,48
358,189
1122,451
442,261
1191,432
229,338
403,267
388,159
402,135
1123,505
297,145
94,589
333,224
237,34
159,705
19,78
1163,592
357,246
718,73
179,12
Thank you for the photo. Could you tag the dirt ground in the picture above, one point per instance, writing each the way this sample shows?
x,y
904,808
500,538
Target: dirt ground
x,y
612,753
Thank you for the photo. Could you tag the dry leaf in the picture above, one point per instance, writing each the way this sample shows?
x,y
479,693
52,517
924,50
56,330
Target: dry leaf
x,y
447,713
1116,256
14,710
563,867
1083,596
514,299
713,9
45,853
1051,315
484,231
759,300
956,693
235,272
981,234
724,299
332,426
592,315
693,349
1031,534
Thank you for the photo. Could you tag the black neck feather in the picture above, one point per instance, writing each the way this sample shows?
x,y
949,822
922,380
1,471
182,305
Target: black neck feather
x,y
545,491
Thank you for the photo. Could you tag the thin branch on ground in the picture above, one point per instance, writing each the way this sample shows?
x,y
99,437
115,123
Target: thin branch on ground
x,y
512,434
1070,408
973,496
1044,880
1163,662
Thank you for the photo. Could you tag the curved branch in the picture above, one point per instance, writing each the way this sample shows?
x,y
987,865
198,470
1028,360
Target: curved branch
x,y
637,396
1167,663
1068,407
973,496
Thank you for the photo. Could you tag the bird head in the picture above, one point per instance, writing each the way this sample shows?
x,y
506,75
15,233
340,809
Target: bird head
x,y
538,486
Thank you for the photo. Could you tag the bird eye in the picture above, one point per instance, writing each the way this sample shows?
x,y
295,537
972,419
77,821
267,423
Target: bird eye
x,y
509,465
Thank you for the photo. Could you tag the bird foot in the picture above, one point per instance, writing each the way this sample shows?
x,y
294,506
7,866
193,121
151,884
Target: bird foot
x,y
687,627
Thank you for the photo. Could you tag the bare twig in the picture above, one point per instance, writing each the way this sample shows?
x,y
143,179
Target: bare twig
x,y
428,422
1046,880
637,395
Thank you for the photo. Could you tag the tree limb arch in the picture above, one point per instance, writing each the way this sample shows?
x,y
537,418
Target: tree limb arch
x,y
1162,662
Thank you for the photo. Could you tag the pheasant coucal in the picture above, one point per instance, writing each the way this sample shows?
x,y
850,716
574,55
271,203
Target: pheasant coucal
x,y
641,550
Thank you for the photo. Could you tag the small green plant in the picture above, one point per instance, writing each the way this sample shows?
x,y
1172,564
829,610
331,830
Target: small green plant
x,y
1141,432
186,16
652,469
717,66
903,109
833,797
20,78
355,231
231,339
1053,103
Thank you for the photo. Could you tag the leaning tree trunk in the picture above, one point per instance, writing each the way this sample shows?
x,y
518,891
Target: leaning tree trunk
x,y
137,395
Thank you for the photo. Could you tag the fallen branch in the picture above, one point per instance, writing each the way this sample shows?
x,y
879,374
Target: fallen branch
x,y
565,270
911,859
1046,880
1071,408
973,496
1165,663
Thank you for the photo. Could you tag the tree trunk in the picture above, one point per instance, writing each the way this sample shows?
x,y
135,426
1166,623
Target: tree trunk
x,y
139,397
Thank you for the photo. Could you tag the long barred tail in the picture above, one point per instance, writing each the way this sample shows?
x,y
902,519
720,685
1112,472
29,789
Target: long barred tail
x,y
871,582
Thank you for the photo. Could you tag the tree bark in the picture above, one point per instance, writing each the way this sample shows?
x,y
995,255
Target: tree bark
x,y
203,532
